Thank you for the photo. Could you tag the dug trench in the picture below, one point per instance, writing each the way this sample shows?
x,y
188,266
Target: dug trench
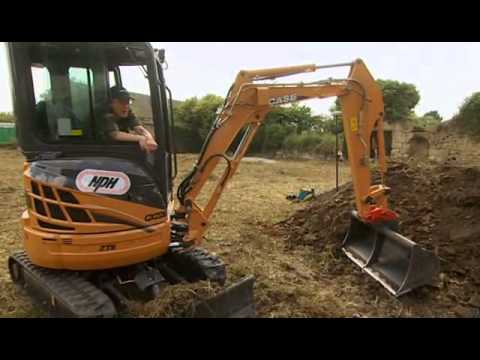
x,y
438,208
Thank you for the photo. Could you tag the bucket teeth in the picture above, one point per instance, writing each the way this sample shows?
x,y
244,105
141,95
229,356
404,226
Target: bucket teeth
x,y
398,263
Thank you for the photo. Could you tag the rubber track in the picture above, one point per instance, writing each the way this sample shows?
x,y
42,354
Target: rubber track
x,y
204,264
73,295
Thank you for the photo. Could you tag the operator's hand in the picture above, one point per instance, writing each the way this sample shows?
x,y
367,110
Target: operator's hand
x,y
147,144
151,145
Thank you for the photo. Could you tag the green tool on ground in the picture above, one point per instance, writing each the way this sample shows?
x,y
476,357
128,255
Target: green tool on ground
x,y
303,195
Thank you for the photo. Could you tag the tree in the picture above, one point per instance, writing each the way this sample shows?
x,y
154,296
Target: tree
x,y
399,100
281,122
327,124
469,114
430,119
206,111
435,115
194,118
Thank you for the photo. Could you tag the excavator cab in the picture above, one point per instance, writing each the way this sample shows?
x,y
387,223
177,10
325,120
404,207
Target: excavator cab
x,y
99,216
61,93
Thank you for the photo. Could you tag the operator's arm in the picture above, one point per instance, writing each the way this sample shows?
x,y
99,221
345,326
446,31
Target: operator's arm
x,y
135,124
150,143
123,136
140,130
112,130
146,143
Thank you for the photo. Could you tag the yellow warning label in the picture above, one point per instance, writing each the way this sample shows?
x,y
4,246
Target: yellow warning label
x,y
354,124
78,132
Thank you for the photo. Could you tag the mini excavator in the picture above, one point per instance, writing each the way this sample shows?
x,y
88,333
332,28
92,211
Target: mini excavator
x,y
101,221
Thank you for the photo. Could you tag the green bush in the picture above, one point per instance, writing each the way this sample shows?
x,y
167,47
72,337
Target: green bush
x,y
194,118
469,114
6,117
399,99
291,128
311,142
425,121
434,114
274,137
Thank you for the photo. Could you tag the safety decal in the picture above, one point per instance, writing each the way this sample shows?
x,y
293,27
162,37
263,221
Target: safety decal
x,y
354,124
103,182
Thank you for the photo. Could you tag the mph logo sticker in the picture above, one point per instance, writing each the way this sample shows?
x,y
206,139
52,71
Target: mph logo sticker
x,y
103,182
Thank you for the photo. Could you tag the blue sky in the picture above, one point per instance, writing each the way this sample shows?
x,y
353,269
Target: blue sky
x,y
444,73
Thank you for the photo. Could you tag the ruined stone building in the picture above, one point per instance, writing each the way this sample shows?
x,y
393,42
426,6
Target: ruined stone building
x,y
441,144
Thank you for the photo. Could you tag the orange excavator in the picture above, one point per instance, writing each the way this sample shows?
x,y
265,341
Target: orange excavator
x,y
101,218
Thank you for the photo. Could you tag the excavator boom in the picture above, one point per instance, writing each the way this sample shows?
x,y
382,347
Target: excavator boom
x,y
246,106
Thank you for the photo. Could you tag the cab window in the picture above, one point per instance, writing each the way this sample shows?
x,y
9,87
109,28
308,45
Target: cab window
x,y
71,88
63,103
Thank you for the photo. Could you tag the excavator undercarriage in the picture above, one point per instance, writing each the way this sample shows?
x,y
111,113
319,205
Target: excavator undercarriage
x,y
106,293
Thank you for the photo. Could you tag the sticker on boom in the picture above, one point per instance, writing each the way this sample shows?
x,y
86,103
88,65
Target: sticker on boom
x,y
103,182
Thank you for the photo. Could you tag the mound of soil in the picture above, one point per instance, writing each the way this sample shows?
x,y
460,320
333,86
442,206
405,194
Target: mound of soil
x,y
439,208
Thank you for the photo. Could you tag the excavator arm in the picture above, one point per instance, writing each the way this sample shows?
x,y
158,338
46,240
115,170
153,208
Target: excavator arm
x,y
245,109
371,242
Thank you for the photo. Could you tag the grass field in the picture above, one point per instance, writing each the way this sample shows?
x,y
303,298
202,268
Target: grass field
x,y
239,232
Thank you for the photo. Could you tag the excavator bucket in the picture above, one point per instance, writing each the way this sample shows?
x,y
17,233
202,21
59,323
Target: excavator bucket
x,y
237,301
398,263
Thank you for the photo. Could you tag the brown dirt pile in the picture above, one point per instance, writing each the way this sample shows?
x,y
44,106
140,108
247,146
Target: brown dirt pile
x,y
439,208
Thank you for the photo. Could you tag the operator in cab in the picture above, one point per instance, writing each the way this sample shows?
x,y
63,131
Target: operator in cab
x,y
120,121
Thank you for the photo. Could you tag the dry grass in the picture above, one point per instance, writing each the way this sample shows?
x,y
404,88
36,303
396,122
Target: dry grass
x,y
288,282
12,205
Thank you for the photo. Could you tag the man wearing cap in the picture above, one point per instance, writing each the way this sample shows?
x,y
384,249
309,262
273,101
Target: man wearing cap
x,y
120,120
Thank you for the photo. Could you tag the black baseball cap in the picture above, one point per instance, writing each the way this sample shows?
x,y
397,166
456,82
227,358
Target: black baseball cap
x,y
120,93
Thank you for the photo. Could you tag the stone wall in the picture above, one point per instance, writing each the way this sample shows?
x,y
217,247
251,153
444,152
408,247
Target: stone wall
x,y
401,134
448,145
442,145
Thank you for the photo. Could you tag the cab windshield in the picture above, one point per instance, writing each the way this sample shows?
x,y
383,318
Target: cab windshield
x,y
71,86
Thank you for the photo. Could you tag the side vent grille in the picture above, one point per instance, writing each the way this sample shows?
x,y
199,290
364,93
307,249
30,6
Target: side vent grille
x,y
67,197
46,225
48,192
39,208
56,212
55,201
78,215
35,189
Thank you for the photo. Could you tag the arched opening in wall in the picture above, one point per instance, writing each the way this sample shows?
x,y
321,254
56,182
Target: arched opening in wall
x,y
418,147
387,136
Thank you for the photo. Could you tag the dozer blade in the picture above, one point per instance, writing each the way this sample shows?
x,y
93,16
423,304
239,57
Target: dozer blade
x,y
398,263
236,301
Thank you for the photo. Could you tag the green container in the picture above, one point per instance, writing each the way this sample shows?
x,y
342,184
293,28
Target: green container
x,y
7,133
